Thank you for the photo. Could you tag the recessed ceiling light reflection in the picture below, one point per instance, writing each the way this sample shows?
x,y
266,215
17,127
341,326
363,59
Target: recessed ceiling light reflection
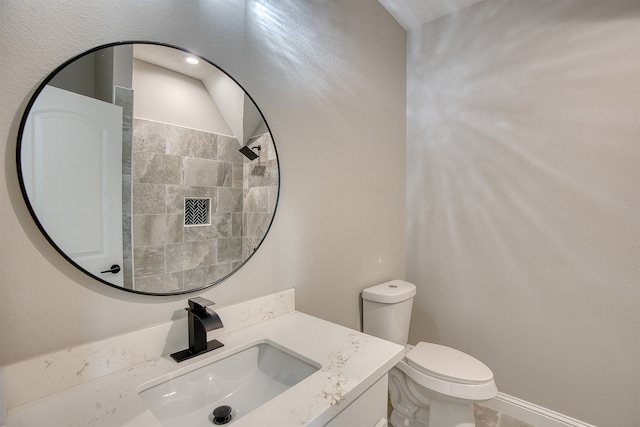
x,y
191,60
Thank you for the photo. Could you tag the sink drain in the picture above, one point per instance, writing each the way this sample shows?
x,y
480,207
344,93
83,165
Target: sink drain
x,y
222,415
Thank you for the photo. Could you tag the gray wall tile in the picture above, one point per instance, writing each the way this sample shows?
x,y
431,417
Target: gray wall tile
x,y
228,149
204,173
149,136
162,283
190,255
229,249
175,228
148,198
229,200
157,168
149,230
148,261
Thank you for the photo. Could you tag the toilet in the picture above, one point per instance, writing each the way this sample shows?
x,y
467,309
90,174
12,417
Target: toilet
x,y
433,385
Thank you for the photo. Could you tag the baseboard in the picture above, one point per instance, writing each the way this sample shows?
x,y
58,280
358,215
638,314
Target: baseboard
x,y
531,413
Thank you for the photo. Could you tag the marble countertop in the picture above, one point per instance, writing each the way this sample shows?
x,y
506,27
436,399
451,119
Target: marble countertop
x,y
351,362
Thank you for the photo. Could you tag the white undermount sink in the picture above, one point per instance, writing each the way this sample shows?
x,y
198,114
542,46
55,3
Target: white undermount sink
x,y
244,381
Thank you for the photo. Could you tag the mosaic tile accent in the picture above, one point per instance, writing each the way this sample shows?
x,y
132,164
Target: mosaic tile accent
x,y
196,211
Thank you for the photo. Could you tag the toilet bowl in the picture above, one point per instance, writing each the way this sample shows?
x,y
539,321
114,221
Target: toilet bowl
x,y
433,385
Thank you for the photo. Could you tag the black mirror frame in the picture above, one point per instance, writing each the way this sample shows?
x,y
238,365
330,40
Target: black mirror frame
x,y
25,196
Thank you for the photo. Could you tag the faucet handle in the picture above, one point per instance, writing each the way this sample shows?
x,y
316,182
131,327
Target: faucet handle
x,y
199,303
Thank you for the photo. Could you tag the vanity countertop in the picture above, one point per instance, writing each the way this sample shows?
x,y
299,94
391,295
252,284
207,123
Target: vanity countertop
x,y
351,362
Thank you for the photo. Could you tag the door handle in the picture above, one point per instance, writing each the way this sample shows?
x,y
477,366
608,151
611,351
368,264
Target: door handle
x,y
115,269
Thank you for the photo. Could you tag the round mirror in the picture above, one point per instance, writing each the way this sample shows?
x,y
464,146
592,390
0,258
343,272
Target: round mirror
x,y
148,168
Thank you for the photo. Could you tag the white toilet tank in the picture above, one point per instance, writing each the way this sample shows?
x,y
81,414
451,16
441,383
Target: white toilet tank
x,y
387,310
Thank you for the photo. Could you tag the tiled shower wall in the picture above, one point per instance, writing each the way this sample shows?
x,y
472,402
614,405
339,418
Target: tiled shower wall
x,y
169,164
124,99
260,184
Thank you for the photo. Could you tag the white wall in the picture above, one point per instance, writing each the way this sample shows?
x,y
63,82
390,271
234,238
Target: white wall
x,y
164,96
330,79
523,195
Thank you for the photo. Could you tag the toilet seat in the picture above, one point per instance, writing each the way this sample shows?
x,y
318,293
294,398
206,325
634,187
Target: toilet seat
x,y
448,364
474,383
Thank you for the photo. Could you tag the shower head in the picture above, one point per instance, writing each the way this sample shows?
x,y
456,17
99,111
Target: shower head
x,y
249,153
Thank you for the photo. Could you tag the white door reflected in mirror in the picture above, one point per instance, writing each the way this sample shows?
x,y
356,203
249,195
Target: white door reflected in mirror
x,y
71,159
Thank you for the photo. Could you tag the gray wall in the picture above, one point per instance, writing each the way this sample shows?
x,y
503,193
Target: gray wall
x,y
330,79
523,198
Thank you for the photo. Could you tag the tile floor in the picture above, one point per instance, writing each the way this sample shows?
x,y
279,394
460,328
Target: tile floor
x,y
486,417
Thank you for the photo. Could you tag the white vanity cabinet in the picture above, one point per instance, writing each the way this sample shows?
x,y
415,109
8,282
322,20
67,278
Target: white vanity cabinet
x,y
99,384
368,410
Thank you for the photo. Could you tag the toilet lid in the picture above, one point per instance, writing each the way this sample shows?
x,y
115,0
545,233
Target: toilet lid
x,y
448,364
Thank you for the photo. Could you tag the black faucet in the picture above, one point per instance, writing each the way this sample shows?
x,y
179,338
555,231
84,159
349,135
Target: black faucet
x,y
201,320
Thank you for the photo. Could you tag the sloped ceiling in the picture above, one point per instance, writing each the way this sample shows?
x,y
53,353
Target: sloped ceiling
x,y
413,13
237,109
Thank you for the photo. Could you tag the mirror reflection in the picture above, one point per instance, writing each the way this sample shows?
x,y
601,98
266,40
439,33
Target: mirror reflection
x,y
148,168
